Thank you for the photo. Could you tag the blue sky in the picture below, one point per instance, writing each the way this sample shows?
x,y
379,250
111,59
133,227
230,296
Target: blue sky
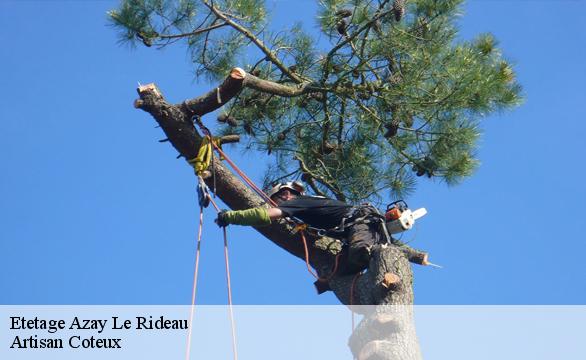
x,y
95,211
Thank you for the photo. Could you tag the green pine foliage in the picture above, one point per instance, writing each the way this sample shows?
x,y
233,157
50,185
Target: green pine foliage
x,y
393,96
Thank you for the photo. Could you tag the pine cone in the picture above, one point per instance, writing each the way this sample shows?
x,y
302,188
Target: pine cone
x,y
327,148
418,170
341,26
392,129
422,27
429,166
317,96
282,136
364,95
344,13
231,121
399,9
377,27
395,79
408,120
225,119
248,128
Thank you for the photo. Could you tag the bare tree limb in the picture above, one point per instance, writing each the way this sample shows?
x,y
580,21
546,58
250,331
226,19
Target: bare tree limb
x,y
193,33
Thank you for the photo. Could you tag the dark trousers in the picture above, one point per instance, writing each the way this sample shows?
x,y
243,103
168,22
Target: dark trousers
x,y
361,238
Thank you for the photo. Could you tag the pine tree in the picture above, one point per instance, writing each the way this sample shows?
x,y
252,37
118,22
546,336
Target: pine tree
x,y
393,98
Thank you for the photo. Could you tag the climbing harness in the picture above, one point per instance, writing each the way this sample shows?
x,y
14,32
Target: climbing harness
x,y
350,219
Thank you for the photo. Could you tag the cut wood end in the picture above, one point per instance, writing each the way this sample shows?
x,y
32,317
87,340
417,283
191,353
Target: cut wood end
x,y
149,88
420,258
237,73
390,280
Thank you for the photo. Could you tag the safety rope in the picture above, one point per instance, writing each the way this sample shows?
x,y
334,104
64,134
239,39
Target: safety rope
x,y
352,296
228,282
194,288
203,203
245,177
310,270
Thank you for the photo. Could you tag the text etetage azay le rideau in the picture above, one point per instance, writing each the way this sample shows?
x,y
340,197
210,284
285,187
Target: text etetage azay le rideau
x,y
81,341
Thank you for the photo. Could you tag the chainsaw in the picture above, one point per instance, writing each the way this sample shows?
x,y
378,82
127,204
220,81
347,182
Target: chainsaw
x,y
399,218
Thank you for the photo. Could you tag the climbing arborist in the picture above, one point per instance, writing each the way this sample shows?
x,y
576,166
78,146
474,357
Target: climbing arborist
x,y
360,226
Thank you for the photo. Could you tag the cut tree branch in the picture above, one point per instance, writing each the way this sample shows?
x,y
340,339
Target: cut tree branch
x,y
232,85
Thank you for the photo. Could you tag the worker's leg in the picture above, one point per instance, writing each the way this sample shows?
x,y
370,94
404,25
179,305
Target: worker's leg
x,y
361,238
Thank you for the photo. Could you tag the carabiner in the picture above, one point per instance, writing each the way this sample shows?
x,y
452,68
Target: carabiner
x,y
203,194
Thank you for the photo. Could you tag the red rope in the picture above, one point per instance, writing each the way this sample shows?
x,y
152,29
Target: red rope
x,y
243,175
307,255
306,251
352,296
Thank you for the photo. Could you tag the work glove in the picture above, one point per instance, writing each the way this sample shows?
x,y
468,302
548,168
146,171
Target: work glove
x,y
258,216
222,219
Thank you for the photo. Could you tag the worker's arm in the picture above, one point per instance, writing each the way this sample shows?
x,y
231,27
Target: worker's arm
x,y
259,216
275,213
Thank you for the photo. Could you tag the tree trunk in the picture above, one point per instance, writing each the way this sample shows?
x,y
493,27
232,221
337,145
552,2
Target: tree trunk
x,y
387,330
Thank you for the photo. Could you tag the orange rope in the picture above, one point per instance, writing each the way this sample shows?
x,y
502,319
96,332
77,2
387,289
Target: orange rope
x,y
334,270
352,295
194,288
243,175
307,255
306,251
